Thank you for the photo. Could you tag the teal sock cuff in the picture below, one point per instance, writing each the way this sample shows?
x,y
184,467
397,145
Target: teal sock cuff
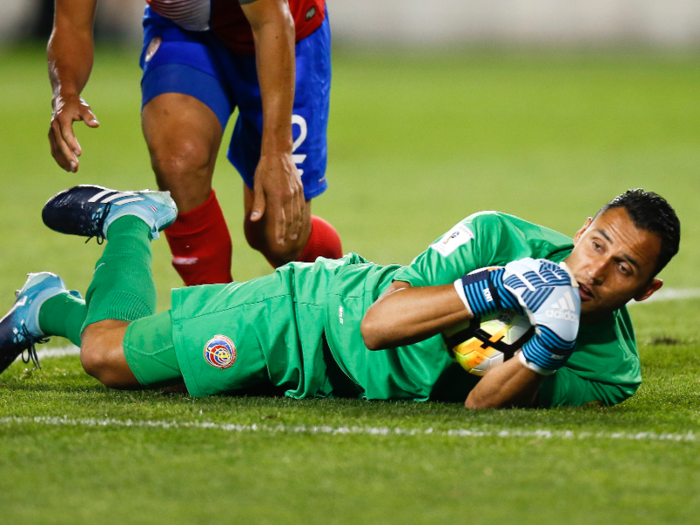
x,y
128,225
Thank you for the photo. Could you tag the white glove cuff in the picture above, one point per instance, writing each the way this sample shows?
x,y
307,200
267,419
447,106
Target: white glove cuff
x,y
565,267
532,366
460,291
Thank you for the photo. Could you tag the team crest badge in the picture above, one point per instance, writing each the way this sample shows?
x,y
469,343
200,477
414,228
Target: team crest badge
x,y
152,48
220,352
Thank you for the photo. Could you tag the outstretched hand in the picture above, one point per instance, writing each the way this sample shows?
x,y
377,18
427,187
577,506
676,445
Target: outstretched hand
x,y
65,148
279,193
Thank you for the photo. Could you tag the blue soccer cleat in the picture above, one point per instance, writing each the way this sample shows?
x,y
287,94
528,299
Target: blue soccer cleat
x,y
19,329
89,210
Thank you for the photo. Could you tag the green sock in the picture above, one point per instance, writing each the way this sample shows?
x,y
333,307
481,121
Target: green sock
x,y
122,285
63,315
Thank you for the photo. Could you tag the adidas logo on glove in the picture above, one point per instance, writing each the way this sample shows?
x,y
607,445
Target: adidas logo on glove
x,y
563,309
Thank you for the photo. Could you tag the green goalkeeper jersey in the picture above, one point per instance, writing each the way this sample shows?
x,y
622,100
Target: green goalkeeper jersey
x,y
299,328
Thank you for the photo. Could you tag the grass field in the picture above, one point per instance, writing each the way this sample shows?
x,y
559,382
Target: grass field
x,y
416,142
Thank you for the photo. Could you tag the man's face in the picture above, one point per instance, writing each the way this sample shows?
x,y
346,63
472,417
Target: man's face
x,y
613,262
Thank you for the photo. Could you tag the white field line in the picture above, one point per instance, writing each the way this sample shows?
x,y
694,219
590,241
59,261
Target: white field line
x,y
343,430
673,294
58,352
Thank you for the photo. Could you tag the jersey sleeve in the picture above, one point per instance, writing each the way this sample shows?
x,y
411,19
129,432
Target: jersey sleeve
x,y
480,240
565,388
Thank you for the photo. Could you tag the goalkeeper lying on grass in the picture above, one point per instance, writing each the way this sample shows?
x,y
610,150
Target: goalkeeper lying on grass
x,y
349,327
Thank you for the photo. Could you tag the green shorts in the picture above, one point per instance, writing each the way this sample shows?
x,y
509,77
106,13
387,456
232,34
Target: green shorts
x,y
150,352
241,335
231,338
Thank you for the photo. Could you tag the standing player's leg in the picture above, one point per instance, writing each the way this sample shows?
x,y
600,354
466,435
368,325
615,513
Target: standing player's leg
x,y
183,137
310,123
185,109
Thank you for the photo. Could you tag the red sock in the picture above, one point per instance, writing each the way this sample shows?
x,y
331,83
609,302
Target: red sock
x,y
201,244
324,241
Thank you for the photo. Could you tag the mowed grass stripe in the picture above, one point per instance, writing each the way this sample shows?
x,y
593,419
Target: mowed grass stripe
x,y
354,430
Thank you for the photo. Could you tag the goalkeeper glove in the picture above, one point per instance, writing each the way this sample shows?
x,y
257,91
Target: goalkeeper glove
x,y
547,292
483,292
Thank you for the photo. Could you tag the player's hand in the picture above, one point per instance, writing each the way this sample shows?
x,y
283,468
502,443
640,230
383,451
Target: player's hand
x,y
279,193
65,148
484,292
547,292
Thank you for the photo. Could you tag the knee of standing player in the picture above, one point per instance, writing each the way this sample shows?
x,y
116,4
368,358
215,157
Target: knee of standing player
x,y
281,254
262,237
184,162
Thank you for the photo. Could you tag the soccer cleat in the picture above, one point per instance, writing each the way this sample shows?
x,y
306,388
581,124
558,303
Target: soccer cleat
x,y
89,210
19,329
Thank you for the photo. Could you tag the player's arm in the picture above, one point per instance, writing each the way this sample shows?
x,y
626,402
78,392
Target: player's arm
x,y
70,57
513,384
404,315
278,188
510,384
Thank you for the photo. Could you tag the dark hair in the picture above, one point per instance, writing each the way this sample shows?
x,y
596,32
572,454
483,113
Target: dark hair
x,y
651,212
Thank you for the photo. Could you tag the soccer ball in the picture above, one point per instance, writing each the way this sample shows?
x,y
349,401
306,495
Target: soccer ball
x,y
481,344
